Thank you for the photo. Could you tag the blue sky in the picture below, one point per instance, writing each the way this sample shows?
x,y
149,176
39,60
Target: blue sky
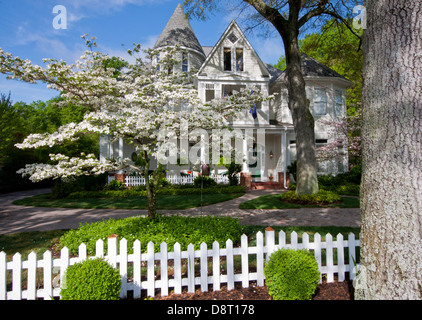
x,y
26,30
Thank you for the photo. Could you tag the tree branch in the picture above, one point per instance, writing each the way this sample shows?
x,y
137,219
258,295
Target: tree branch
x,y
271,14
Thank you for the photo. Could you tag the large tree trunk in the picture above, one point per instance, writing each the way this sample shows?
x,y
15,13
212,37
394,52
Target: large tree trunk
x,y
391,191
303,121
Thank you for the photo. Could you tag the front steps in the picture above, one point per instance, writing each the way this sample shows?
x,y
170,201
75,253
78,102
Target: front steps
x,y
266,186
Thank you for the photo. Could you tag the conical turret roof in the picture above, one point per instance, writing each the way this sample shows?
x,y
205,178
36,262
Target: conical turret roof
x,y
178,31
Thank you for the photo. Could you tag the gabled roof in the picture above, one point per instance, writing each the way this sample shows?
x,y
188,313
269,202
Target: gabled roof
x,y
178,32
313,68
233,24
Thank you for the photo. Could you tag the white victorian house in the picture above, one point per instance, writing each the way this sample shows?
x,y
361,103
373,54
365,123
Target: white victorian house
x,y
233,64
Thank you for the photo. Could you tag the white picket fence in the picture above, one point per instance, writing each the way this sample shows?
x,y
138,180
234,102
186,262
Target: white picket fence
x,y
134,181
188,269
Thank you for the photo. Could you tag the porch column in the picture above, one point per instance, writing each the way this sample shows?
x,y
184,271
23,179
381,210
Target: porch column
x,y
261,142
284,153
121,149
248,138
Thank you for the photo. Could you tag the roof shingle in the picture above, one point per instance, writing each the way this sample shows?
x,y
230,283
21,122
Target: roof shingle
x,y
178,31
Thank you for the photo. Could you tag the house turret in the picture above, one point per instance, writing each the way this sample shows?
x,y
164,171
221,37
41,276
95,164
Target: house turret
x,y
178,32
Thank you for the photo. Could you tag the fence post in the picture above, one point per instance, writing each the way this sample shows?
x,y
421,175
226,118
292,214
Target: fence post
x,y
177,268
330,265
340,257
191,268
99,249
204,267
164,269
230,265
269,242
245,261
3,268
352,256
64,263
112,250
32,275
216,265
260,258
17,277
137,256
293,240
47,274
150,270
281,239
123,267
82,252
317,252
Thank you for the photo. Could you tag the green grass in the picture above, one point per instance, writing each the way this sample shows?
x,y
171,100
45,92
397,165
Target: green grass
x,y
40,241
274,202
26,242
164,202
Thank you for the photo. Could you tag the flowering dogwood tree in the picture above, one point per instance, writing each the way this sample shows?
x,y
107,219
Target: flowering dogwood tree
x,y
138,106
346,136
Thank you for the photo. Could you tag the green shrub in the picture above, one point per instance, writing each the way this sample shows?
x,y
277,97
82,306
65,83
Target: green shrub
x,y
163,191
171,229
322,197
115,185
292,275
292,186
63,189
91,279
204,182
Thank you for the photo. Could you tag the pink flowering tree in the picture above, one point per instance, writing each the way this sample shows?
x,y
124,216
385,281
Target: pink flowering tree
x,y
346,133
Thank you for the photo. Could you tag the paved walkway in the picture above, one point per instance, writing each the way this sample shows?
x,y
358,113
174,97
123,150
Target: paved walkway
x,y
21,219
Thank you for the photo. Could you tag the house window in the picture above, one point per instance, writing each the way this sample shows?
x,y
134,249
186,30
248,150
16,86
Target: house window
x,y
227,90
321,141
339,103
227,59
185,62
209,92
239,59
233,38
320,102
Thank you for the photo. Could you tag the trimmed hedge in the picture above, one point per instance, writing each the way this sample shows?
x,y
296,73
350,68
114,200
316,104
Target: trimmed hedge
x,y
171,229
163,191
292,275
322,197
91,279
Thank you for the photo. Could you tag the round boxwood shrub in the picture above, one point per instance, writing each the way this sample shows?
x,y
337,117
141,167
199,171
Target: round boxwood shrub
x,y
91,279
292,275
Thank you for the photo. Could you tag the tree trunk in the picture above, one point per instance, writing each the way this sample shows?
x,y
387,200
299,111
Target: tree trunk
x,y
303,121
391,190
151,191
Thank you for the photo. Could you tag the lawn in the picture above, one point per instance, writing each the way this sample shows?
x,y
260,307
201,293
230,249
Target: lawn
x,y
164,202
40,241
273,202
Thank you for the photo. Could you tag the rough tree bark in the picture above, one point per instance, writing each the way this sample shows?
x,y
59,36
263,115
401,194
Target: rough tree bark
x,y
391,191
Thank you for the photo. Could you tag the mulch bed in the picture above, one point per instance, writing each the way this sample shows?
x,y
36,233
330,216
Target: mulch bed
x,y
325,291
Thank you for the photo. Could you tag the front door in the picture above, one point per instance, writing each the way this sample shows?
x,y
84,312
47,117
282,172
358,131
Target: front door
x,y
256,157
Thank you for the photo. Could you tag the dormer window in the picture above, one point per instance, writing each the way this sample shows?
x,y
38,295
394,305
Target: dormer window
x,y
237,54
227,59
239,59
